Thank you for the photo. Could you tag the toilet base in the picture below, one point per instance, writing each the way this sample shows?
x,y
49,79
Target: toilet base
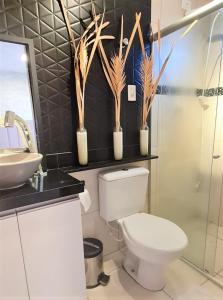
x,y
150,276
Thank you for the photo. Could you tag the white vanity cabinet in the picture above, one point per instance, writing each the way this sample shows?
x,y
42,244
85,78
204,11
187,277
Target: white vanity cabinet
x,y
12,273
51,238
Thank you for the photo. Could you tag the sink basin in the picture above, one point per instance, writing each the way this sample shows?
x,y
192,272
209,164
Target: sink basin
x,y
17,168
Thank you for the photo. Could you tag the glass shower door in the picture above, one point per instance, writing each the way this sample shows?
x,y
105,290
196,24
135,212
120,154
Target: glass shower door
x,y
184,139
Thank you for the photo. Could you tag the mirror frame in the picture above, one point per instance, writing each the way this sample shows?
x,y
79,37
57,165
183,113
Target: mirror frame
x,y
33,81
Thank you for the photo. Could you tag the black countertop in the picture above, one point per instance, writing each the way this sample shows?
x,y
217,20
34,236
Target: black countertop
x,y
56,184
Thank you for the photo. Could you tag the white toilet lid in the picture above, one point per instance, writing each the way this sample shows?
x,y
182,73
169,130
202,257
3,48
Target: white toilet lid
x,y
154,232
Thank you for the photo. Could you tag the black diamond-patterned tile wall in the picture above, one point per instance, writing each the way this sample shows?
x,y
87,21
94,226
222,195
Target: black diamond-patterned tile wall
x,y
42,21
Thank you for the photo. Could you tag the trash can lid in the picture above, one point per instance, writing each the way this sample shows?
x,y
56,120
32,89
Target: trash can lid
x,y
92,247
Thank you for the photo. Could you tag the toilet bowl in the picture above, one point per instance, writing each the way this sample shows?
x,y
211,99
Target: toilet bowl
x,y
152,243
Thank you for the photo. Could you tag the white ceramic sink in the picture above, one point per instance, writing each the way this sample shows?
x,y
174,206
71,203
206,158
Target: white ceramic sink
x,y
17,168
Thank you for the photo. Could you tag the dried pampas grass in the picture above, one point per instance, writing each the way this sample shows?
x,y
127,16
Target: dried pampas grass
x,y
117,77
83,52
114,68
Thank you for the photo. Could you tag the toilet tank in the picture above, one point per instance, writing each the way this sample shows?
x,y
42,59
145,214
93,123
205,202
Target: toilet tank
x,y
122,192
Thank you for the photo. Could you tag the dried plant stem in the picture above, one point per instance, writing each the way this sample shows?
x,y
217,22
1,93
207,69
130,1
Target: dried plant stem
x,y
141,39
138,17
121,38
114,69
82,61
70,31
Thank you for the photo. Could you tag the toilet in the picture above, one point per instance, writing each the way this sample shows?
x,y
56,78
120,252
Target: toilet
x,y
152,242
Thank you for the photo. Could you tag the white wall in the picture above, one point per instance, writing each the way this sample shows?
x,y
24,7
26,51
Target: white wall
x,y
171,11
166,11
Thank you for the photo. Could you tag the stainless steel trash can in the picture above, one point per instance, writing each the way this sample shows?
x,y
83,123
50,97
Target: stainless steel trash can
x,y
93,256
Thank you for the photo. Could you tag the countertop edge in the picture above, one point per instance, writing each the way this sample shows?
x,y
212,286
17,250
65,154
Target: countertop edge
x,y
13,201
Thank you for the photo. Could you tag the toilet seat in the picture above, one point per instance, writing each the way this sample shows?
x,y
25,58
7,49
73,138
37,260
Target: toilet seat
x,y
153,237
154,233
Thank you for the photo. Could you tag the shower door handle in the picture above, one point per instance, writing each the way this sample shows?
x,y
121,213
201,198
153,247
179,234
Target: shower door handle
x,y
216,156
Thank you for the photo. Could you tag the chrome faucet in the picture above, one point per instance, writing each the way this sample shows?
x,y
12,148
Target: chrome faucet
x,y
11,119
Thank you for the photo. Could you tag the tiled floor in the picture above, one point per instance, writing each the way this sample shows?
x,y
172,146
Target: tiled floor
x,y
183,283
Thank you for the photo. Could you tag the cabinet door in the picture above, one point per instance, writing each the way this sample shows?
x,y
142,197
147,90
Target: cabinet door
x,y
12,272
53,251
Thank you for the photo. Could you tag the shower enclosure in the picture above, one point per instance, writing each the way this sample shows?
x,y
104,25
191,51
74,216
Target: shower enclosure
x,y
187,135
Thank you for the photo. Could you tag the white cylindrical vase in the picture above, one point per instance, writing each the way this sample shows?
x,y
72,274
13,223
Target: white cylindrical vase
x,y
144,141
118,144
82,146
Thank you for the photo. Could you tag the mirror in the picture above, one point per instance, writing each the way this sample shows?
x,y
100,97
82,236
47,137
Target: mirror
x,y
17,95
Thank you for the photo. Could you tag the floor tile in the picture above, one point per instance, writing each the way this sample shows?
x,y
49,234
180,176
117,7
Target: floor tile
x,y
123,287
207,291
112,261
181,278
